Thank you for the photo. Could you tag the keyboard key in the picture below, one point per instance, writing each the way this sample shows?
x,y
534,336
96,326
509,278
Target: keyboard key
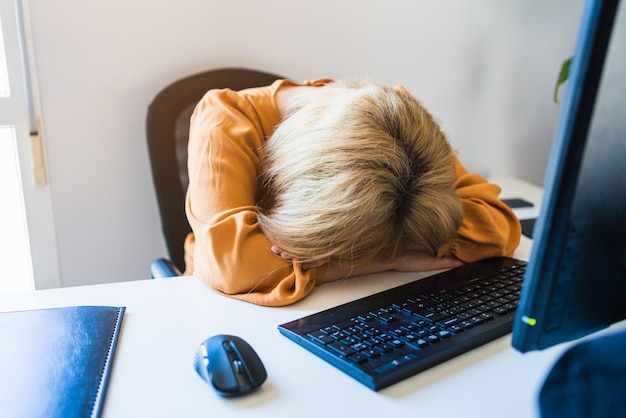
x,y
321,338
449,322
398,332
366,318
341,349
439,316
477,320
383,348
371,353
467,324
361,346
386,318
486,316
456,329
394,363
349,341
425,314
396,343
357,358
421,343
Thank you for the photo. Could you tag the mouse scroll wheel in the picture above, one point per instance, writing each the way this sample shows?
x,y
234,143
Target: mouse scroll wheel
x,y
235,360
238,366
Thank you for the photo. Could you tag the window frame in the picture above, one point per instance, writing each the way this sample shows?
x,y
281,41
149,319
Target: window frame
x,y
18,110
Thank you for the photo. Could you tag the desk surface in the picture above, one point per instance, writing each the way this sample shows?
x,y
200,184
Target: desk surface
x,y
167,319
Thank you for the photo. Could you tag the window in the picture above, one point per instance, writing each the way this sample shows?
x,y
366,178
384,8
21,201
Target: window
x,y
26,208
17,273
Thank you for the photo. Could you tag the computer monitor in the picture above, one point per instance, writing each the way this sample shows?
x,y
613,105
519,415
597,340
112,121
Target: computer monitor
x,y
575,283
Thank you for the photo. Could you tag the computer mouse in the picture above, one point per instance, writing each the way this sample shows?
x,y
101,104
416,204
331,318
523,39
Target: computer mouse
x,y
230,365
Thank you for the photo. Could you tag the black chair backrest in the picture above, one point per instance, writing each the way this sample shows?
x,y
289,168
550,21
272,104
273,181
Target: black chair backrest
x,y
168,130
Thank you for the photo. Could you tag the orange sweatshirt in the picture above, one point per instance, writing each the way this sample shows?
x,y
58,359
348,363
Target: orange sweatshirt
x,y
227,248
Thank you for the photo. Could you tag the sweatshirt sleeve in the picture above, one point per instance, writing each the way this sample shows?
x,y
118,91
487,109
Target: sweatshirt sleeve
x,y
489,228
230,252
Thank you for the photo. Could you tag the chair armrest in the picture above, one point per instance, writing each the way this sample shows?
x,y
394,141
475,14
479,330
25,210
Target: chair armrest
x,y
162,268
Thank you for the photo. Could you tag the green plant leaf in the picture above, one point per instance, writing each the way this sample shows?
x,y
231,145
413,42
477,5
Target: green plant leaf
x,y
563,76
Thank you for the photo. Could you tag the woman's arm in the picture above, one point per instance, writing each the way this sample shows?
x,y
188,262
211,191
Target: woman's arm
x,y
411,261
230,252
489,228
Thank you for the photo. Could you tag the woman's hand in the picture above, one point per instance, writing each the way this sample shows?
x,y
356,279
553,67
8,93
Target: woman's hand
x,y
411,261
305,266
421,261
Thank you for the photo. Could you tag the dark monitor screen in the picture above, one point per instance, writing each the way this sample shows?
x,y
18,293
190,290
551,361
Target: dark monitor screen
x,y
575,282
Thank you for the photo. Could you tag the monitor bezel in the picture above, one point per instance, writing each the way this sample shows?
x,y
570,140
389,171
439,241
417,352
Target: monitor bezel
x,y
552,226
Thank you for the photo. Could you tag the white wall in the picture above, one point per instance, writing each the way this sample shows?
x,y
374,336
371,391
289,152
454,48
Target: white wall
x,y
485,68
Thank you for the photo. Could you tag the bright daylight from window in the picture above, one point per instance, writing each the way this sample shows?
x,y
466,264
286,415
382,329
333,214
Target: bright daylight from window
x,y
13,240
14,248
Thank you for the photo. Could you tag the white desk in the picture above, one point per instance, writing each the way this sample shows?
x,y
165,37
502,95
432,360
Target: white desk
x,y
167,319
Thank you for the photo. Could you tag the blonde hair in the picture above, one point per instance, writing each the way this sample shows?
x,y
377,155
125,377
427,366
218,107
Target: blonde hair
x,y
360,172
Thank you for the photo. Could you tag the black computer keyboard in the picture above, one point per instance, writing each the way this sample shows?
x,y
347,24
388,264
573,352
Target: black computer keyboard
x,y
386,337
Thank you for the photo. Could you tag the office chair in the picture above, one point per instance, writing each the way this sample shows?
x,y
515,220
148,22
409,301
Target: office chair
x,y
167,129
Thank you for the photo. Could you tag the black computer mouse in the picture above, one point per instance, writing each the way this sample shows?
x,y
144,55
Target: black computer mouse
x,y
230,365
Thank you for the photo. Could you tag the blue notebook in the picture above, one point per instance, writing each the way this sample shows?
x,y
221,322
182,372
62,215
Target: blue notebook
x,y
56,362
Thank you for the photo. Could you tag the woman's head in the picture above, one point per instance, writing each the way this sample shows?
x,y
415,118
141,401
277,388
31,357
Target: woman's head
x,y
359,172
